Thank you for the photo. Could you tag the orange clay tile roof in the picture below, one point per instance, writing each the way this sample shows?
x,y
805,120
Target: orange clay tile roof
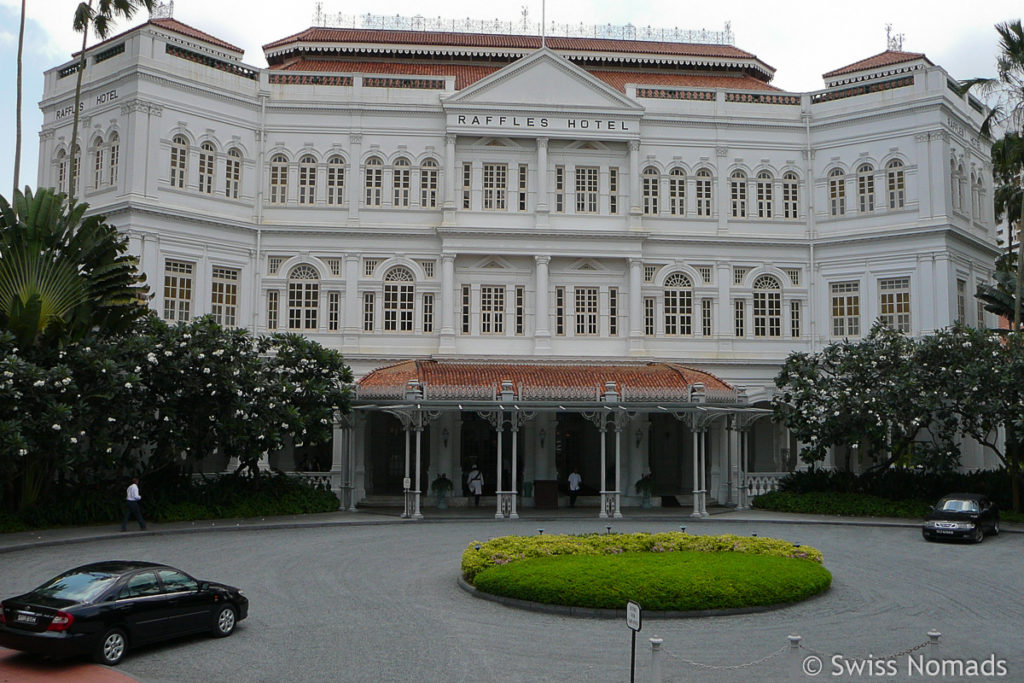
x,y
437,374
484,40
881,59
465,75
177,27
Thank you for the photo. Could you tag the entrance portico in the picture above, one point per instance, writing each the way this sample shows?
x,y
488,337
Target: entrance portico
x,y
529,409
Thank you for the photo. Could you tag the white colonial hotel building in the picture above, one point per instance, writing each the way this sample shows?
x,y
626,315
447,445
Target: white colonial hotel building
x,y
515,245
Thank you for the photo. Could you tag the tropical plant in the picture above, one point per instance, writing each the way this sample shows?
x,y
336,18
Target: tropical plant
x,y
62,274
101,18
17,125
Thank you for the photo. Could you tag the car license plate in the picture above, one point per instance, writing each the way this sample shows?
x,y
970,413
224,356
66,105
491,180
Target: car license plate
x,y
25,618
944,531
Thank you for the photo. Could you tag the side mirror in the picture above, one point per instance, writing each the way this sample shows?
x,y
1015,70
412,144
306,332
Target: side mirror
x,y
204,585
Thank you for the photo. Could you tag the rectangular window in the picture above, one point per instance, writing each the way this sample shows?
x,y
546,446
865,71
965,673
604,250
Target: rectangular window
x,y
738,189
398,307
703,192
866,190
651,180
224,296
178,291
678,311
961,301
739,274
586,311
705,274
273,306
559,189
520,310
492,309
794,319
428,185
895,182
206,162
649,273
333,311
335,182
767,313
97,175
333,265
278,182
613,191
428,312
789,196
705,317
559,310
303,305
466,309
740,317
467,185
837,192
586,189
495,187
368,310
369,266
274,264
115,158
845,309
764,196
981,311
649,316
894,303
373,183
232,175
524,171
401,182
793,274
677,192
428,268
613,311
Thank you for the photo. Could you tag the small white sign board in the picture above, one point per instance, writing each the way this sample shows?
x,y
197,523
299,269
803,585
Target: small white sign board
x,y
407,483
633,615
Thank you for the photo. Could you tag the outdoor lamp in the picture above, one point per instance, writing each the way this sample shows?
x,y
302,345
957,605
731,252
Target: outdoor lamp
x,y
540,531
444,437
682,529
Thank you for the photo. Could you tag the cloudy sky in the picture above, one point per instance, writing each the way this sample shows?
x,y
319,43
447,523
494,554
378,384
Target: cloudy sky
x,y
800,38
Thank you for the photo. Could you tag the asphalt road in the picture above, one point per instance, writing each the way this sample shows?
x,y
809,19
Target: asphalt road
x,y
380,603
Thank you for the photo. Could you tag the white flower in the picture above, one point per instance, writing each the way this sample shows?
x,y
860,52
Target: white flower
x,y
22,451
151,357
74,439
201,356
56,427
38,383
218,353
110,419
168,354
127,385
206,371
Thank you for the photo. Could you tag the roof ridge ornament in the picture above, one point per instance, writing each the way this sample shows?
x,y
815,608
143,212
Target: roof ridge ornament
x,y
163,10
893,41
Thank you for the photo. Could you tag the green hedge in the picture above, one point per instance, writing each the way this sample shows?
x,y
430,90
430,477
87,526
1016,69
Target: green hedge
x,y
176,498
843,504
903,484
480,556
666,581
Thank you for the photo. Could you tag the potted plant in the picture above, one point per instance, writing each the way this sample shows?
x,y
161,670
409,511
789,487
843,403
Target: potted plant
x,y
645,487
441,488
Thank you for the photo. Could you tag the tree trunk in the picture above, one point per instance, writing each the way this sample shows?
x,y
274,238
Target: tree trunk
x,y
72,176
17,125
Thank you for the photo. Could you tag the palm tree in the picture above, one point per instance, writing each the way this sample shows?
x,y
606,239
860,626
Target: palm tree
x,y
63,275
17,126
101,19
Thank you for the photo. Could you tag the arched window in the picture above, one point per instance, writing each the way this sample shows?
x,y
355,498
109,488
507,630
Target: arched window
x,y
97,162
232,173
765,199
651,181
677,192
179,161
738,194
374,182
62,171
865,188
678,304
952,184
961,182
307,179
115,158
303,298
336,180
278,179
703,192
76,167
401,178
837,192
767,307
207,165
428,184
895,184
398,300
977,190
790,195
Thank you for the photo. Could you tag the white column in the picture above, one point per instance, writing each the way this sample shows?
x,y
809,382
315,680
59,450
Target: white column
x,y
542,176
634,181
447,342
497,489
636,307
542,333
351,315
515,469
451,175
604,472
355,179
618,469
416,514
696,475
405,490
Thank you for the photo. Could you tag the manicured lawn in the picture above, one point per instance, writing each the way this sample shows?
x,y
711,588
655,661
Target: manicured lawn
x,y
678,580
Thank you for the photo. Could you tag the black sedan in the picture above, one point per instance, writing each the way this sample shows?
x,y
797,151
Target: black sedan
x,y
962,515
105,608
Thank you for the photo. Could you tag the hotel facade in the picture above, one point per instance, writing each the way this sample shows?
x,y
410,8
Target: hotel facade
x,y
536,255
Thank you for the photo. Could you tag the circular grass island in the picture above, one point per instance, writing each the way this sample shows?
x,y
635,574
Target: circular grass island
x,y
671,573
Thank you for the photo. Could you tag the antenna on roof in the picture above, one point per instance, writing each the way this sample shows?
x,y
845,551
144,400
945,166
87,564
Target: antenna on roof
x,y
163,11
543,18
893,41
525,11
318,15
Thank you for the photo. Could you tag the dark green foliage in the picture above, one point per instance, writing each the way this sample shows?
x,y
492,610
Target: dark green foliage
x,y
682,581
175,498
841,504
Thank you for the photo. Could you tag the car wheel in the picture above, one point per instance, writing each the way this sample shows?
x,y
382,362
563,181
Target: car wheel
x,y
112,647
979,534
225,622
926,536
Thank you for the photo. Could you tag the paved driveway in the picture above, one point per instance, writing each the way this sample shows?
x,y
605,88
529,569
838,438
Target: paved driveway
x,y
380,603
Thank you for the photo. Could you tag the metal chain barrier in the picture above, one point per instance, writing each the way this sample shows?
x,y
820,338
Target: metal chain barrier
x,y
895,655
727,667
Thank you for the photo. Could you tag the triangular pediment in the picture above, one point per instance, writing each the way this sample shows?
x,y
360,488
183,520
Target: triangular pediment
x,y
492,263
587,265
543,79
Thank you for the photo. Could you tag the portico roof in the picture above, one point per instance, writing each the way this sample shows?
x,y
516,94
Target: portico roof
x,y
538,381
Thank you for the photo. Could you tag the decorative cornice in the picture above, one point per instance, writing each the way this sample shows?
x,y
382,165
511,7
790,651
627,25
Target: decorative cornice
x,y
722,151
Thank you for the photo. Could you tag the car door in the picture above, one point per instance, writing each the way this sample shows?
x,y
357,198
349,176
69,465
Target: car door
x,y
189,607
143,607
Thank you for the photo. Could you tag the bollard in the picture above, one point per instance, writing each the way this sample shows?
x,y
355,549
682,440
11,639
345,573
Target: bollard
x,y
933,640
795,658
656,659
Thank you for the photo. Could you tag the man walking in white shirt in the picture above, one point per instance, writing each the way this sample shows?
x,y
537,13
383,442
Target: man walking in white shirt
x,y
132,506
575,480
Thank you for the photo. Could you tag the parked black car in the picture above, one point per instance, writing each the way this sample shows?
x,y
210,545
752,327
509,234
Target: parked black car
x,y
103,609
962,515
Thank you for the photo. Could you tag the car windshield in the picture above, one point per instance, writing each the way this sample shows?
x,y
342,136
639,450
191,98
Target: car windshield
x,y
77,586
959,505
